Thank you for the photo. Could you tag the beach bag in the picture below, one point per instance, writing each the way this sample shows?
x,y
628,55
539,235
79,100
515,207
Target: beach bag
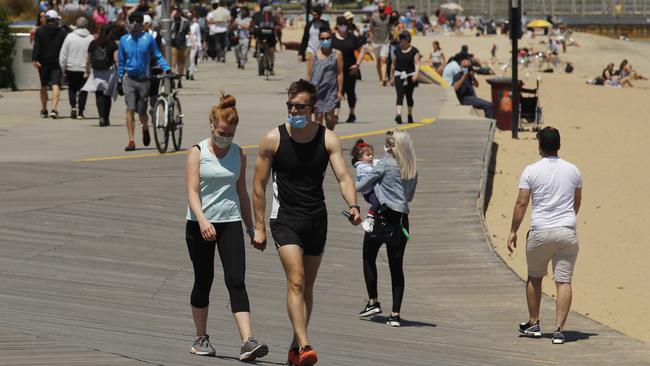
x,y
569,68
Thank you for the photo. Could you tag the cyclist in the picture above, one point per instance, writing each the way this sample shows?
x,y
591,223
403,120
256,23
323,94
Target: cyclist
x,y
265,31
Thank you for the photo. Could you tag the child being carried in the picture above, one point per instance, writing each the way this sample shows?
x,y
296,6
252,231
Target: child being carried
x,y
362,160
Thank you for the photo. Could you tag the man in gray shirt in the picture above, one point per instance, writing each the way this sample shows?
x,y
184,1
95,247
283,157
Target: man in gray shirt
x,y
380,39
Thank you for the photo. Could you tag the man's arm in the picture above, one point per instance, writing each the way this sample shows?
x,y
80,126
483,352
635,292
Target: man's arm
x,y
474,80
263,165
458,83
342,174
517,216
121,60
63,54
577,200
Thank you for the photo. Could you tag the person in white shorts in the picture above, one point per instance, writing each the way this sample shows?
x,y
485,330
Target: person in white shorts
x,y
556,189
380,26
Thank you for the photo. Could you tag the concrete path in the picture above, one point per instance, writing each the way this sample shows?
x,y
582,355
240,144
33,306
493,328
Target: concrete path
x,y
94,269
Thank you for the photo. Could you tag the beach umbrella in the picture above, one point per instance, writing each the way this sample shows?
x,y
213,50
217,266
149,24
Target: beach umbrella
x,y
539,23
451,8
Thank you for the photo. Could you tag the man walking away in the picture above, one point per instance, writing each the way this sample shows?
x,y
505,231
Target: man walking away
x,y
218,20
73,58
464,84
136,50
380,25
48,41
556,189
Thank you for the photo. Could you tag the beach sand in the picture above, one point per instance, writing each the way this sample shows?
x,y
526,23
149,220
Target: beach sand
x,y
604,132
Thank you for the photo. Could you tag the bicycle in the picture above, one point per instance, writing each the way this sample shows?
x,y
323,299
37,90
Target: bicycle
x,y
167,115
264,60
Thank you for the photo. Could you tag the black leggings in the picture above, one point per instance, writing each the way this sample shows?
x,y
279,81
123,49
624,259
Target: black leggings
x,y
349,86
230,242
386,230
404,90
76,81
104,103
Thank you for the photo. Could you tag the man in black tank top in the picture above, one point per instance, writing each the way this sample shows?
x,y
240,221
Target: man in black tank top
x,y
296,155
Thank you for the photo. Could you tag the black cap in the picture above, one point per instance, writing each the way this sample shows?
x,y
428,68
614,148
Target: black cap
x,y
549,139
405,35
318,9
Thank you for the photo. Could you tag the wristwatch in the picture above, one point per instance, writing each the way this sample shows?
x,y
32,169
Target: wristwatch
x,y
354,206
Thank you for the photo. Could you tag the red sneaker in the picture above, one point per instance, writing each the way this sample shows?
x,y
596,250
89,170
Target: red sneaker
x,y
130,146
293,359
308,356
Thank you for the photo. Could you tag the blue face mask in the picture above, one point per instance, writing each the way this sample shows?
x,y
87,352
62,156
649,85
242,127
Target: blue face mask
x,y
326,43
297,121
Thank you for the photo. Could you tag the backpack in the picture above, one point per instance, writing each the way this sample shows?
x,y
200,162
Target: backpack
x,y
179,39
267,26
100,59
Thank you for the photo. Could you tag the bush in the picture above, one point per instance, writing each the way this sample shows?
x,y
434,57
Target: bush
x,y
21,9
7,50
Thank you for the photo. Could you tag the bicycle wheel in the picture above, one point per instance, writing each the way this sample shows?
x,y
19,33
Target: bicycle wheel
x,y
267,65
176,125
160,131
260,64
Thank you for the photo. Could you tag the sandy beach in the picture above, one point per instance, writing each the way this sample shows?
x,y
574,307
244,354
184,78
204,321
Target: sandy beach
x,y
604,133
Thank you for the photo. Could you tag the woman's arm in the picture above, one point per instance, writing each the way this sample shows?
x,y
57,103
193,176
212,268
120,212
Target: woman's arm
x,y
310,64
372,178
192,180
244,199
339,74
392,71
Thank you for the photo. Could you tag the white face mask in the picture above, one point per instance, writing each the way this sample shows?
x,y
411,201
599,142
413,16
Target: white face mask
x,y
221,142
387,149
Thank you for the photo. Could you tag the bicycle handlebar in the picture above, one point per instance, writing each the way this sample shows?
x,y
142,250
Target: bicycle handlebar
x,y
171,76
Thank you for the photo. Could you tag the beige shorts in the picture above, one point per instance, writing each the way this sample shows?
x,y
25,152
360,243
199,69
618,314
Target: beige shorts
x,y
381,50
559,244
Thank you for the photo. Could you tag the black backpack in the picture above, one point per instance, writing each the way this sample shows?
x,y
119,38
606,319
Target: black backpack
x,y
179,34
100,59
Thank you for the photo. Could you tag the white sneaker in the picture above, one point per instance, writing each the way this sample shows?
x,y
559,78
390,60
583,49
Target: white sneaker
x,y
368,224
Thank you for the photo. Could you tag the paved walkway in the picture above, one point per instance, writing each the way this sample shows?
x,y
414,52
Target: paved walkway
x,y
94,268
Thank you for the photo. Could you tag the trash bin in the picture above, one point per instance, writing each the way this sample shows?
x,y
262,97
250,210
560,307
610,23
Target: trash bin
x,y
502,101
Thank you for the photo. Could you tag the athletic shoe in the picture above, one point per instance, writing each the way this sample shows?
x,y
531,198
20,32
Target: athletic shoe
x,y
558,337
130,146
368,224
410,118
252,349
370,309
293,358
146,138
530,330
180,84
102,122
398,119
44,113
351,119
307,356
73,113
80,115
202,347
54,114
394,321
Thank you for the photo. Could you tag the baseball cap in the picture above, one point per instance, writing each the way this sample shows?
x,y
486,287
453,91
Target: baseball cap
x,y
348,15
52,14
405,35
549,139
215,1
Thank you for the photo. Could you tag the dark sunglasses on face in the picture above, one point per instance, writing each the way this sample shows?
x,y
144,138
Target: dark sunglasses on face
x,y
298,106
325,38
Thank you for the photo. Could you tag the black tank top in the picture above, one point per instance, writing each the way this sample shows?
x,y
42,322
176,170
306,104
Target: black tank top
x,y
298,173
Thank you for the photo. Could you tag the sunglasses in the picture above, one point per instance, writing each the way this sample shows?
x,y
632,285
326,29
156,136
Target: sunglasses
x,y
325,38
298,106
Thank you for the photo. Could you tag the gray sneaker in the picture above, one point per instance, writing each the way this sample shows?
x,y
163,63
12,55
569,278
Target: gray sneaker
x,y
202,347
253,349
558,337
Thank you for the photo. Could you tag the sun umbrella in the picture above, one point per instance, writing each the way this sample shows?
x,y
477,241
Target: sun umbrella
x,y
451,8
539,23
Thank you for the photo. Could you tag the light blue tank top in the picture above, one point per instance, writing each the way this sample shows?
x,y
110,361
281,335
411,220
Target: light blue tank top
x,y
218,184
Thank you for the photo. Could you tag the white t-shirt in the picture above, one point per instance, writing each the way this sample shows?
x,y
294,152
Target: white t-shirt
x,y
552,182
450,71
195,29
221,17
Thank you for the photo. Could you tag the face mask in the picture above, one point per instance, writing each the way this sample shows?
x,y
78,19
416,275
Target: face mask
x,y
221,142
136,28
465,69
326,43
387,150
297,121
343,28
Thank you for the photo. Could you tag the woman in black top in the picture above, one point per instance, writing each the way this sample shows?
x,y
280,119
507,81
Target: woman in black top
x,y
346,42
102,58
404,74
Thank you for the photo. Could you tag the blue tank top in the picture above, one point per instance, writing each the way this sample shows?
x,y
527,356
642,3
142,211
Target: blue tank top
x,y
218,184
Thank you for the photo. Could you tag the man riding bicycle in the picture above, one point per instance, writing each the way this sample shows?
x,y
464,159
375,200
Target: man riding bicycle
x,y
265,31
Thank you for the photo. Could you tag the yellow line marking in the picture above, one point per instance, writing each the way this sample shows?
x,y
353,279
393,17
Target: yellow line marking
x,y
424,122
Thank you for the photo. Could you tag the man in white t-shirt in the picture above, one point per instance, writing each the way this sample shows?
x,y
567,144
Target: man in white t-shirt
x,y
556,189
218,23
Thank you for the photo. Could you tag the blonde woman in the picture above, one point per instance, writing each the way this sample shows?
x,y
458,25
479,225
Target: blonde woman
x,y
394,178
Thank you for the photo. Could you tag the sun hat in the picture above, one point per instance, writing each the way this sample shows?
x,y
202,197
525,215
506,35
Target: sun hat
x,y
348,15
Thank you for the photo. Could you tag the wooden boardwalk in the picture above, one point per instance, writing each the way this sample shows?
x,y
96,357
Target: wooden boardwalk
x,y
94,268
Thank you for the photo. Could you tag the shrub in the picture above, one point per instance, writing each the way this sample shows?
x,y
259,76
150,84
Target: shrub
x,y
20,9
7,50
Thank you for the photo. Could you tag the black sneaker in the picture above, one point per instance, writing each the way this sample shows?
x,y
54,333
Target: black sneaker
x,y
351,119
530,330
370,309
44,113
394,321
146,138
558,337
102,122
80,115
180,84
73,113
410,118
54,114
398,119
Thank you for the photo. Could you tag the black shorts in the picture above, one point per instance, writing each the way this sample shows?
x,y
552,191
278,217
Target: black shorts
x,y
50,74
310,235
